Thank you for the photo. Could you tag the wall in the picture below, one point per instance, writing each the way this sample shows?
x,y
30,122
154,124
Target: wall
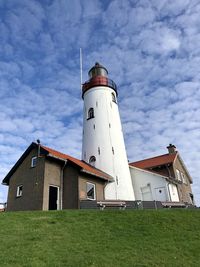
x,y
184,189
32,180
145,179
70,187
99,184
52,176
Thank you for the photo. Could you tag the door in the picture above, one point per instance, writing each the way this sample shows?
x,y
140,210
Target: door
x,y
161,194
146,193
53,197
173,192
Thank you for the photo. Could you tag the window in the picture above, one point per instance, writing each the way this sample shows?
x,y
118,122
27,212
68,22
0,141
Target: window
x,y
92,160
178,174
33,161
113,98
183,178
113,150
90,113
91,194
19,190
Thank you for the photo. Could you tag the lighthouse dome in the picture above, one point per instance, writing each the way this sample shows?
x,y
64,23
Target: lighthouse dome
x,y
98,70
98,76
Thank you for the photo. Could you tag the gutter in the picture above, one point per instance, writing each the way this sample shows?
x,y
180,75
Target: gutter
x,y
93,174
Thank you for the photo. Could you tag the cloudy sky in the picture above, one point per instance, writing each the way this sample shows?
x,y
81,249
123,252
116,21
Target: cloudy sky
x,y
151,50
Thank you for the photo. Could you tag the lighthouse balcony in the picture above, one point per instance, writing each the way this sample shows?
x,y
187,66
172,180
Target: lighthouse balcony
x,y
99,81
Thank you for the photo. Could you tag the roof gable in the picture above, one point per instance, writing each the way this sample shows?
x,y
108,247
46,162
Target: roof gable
x,y
178,158
20,160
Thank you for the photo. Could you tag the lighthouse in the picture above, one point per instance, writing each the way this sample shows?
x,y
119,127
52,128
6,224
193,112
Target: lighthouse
x,y
103,142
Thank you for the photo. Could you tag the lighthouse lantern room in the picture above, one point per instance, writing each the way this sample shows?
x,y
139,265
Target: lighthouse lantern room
x,y
103,143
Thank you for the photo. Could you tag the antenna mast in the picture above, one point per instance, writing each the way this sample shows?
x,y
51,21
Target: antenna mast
x,y
81,68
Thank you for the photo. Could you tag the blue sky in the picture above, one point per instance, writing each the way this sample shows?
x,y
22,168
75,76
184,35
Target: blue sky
x,y
151,50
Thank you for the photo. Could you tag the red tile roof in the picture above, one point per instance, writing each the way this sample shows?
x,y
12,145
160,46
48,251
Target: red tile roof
x,y
85,167
155,161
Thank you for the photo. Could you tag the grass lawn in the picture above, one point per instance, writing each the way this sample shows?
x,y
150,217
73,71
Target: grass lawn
x,y
100,238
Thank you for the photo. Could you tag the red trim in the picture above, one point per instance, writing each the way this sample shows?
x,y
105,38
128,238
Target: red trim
x,y
98,81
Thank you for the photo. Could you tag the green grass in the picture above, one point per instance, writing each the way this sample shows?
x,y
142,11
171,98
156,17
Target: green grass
x,y
100,238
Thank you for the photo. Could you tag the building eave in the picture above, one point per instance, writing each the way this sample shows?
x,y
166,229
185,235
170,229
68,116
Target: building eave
x,y
109,179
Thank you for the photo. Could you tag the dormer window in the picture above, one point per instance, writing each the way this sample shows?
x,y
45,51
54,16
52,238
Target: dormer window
x,y
33,161
90,113
92,160
113,98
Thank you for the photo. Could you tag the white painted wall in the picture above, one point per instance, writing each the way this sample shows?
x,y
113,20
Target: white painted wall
x,y
104,133
150,186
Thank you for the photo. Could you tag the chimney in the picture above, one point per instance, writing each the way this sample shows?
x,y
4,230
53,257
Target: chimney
x,y
171,149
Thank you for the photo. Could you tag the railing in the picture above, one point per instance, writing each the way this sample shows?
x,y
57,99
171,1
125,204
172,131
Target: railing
x,y
99,81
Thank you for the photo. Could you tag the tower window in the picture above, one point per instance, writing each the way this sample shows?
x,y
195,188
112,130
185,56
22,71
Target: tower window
x,y
99,150
114,98
90,113
92,160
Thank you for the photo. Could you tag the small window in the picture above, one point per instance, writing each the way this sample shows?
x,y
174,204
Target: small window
x,y
178,175
19,190
91,194
113,98
113,151
33,161
90,113
92,160
183,178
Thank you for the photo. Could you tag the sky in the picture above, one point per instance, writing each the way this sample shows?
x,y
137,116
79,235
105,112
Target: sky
x,y
151,50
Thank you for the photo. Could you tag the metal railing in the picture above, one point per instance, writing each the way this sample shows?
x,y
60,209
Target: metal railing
x,y
98,81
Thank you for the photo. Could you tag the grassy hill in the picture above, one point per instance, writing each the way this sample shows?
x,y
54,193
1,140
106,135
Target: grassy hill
x,y
100,238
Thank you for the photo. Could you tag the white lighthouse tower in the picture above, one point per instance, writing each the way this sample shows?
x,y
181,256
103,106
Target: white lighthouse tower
x,y
103,143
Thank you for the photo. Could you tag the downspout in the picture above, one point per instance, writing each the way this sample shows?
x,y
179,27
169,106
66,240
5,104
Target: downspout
x,y
61,184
